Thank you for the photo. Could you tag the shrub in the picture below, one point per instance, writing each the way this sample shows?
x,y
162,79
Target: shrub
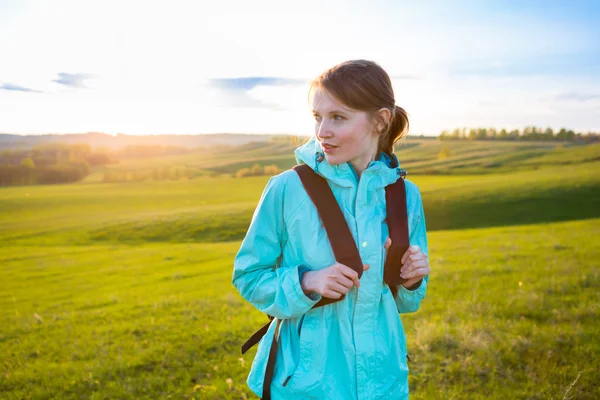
x,y
444,153
271,169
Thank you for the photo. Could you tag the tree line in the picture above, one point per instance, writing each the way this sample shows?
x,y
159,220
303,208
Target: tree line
x,y
529,133
155,174
49,163
66,163
257,170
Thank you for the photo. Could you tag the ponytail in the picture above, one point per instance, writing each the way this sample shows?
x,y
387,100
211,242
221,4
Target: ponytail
x,y
396,131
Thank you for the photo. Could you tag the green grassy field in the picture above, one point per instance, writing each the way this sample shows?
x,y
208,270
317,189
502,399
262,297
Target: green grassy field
x,y
123,290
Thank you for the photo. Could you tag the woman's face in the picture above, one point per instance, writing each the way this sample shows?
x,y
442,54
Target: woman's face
x,y
345,134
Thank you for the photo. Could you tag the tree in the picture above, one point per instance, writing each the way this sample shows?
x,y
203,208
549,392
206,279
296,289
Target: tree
x,y
562,134
271,170
28,163
257,169
243,172
548,134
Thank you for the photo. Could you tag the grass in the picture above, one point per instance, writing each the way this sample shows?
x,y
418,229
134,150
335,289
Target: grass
x,y
124,290
148,321
511,313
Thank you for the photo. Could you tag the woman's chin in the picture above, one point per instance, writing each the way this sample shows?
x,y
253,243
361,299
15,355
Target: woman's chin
x,y
333,160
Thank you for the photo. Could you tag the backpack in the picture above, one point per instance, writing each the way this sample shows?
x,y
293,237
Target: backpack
x,y
343,246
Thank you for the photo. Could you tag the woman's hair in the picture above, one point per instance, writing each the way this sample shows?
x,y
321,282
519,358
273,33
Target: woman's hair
x,y
363,85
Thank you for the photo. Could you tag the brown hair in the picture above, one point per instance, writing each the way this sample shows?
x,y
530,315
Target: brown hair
x,y
363,85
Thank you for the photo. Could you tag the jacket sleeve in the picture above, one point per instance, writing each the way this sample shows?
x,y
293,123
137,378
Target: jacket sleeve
x,y
256,273
409,300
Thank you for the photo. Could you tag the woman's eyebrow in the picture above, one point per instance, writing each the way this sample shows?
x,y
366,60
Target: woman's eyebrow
x,y
332,112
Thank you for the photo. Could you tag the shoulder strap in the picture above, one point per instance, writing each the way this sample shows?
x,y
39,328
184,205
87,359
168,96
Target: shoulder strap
x,y
340,237
338,233
397,220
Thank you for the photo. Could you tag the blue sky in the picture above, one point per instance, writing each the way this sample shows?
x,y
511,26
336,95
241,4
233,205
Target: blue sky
x,y
147,67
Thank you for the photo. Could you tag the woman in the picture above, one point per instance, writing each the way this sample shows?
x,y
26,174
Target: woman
x,y
354,348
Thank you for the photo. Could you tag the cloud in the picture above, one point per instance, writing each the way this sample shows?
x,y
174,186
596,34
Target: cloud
x,y
576,96
17,88
244,84
240,92
72,80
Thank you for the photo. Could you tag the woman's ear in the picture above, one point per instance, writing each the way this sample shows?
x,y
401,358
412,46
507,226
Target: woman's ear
x,y
383,118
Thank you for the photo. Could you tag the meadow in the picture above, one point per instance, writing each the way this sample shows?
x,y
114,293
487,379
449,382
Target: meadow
x,y
123,290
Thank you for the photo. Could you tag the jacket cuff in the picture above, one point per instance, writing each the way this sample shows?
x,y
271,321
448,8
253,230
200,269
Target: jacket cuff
x,y
311,298
414,291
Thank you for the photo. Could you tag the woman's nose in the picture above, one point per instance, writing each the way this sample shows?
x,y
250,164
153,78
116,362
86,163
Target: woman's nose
x,y
323,130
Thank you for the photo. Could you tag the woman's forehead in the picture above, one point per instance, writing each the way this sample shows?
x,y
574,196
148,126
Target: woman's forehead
x,y
323,101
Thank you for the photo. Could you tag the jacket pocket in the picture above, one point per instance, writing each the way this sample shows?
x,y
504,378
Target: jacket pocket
x,y
302,377
300,351
391,340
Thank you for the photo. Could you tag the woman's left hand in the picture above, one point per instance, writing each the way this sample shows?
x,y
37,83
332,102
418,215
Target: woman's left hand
x,y
415,264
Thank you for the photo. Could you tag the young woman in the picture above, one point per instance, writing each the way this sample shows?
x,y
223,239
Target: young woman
x,y
354,348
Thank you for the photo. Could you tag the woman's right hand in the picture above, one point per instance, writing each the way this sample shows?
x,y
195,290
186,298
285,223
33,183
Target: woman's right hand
x,y
332,282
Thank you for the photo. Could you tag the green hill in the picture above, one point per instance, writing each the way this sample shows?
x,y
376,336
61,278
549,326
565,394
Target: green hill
x,y
213,209
416,156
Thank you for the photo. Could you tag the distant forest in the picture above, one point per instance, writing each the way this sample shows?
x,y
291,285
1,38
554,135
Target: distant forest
x,y
42,159
50,163
65,163
529,133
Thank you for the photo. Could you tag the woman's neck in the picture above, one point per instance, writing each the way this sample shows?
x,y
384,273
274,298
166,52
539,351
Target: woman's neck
x,y
360,165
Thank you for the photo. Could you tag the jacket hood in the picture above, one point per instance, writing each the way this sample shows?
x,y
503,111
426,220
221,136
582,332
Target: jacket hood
x,y
381,172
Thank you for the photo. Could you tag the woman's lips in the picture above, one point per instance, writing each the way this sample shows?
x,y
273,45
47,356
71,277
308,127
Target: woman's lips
x,y
328,148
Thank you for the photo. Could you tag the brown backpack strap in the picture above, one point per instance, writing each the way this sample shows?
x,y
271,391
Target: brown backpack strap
x,y
255,338
339,235
397,221
270,368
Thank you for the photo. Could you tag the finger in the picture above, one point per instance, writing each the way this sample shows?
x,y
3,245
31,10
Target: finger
x,y
330,294
388,243
420,275
411,259
412,265
409,268
411,250
366,267
344,281
417,273
351,274
337,288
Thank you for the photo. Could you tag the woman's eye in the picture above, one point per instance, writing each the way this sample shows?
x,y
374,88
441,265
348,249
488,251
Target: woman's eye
x,y
338,117
317,117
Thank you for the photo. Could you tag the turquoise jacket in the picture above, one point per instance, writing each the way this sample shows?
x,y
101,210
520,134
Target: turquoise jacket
x,y
351,349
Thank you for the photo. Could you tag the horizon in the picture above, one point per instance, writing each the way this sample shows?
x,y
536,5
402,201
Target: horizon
x,y
186,68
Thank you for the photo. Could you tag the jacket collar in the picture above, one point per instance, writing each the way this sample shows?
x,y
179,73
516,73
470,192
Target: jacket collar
x,y
380,173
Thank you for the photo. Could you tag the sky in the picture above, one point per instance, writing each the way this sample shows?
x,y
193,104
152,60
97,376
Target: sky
x,y
188,67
